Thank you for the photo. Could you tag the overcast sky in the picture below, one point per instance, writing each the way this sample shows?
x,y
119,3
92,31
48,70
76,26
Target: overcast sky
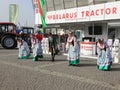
x,y
25,15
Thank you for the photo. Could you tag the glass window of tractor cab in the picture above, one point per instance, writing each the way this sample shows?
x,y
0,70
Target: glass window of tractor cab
x,y
10,28
25,31
0,29
3,28
29,31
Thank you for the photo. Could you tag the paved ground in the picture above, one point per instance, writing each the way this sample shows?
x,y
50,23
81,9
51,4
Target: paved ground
x,y
46,75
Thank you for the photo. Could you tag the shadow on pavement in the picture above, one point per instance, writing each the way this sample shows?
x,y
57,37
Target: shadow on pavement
x,y
115,69
49,59
8,49
86,64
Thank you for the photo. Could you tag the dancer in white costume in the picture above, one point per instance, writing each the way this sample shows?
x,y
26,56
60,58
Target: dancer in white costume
x,y
24,51
104,56
73,50
37,48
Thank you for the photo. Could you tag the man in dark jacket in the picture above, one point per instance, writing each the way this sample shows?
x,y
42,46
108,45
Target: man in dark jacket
x,y
52,45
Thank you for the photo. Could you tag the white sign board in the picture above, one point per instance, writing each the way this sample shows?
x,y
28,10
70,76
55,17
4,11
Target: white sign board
x,y
50,17
37,17
112,10
106,11
87,48
71,15
60,16
82,14
96,12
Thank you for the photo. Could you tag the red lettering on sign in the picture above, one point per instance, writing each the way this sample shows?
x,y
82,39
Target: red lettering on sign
x,y
114,10
53,17
97,12
75,15
87,13
71,15
49,17
92,13
67,15
108,11
102,11
82,13
63,17
57,16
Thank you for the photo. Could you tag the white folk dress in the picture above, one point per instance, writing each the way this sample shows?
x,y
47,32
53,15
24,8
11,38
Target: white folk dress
x,y
24,51
37,49
104,57
73,51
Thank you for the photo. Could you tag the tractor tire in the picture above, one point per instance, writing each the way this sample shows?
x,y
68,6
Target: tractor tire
x,y
8,42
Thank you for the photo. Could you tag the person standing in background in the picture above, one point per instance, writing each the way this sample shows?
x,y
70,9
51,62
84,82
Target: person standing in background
x,y
52,45
72,49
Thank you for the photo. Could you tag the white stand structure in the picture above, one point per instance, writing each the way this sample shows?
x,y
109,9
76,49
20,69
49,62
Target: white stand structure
x,y
115,51
110,43
45,45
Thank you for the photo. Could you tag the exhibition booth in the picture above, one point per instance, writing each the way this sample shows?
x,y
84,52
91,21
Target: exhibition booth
x,y
92,21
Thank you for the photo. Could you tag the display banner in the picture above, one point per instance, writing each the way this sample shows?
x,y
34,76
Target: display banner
x,y
106,11
112,10
13,13
37,16
41,4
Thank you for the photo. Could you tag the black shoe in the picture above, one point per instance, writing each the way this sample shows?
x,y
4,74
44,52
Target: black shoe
x,y
52,60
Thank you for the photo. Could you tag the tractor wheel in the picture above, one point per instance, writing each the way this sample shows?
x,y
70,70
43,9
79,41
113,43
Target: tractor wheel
x,y
8,42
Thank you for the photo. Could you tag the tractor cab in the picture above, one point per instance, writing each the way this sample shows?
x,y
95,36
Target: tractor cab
x,y
26,31
25,34
7,35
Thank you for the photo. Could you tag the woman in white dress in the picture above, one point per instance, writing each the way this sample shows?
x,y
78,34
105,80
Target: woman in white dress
x,y
104,56
24,51
37,48
73,49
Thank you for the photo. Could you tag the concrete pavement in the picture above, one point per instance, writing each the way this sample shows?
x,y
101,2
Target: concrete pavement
x,y
46,75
